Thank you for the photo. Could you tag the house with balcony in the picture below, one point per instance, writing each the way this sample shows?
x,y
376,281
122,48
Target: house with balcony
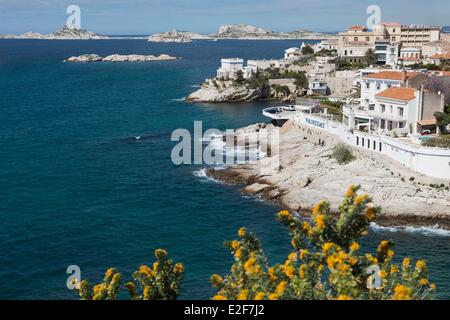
x,y
375,83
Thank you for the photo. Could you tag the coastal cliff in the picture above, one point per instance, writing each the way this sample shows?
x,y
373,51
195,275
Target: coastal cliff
x,y
214,90
308,173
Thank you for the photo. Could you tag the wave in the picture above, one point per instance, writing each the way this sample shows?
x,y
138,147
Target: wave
x,y
427,231
202,174
178,99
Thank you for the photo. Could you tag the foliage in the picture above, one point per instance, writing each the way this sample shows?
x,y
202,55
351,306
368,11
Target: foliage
x,y
342,64
438,142
283,89
442,118
326,262
370,57
428,66
343,154
307,50
161,282
239,76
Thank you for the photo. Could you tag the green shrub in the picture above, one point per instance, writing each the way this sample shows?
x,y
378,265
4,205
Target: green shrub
x,y
343,154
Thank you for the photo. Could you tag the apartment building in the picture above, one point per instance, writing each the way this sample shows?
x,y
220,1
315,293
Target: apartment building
x,y
416,35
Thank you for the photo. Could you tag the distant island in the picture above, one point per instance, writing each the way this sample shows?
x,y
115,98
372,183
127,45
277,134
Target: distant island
x,y
237,32
120,58
63,33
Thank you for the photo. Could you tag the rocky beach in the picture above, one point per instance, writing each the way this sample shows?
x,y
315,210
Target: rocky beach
x,y
308,173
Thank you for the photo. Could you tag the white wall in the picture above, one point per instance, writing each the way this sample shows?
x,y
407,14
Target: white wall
x,y
434,162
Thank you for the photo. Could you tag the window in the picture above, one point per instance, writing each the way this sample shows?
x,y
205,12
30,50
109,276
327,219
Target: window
x,y
355,39
391,110
381,147
400,112
378,86
368,143
367,85
362,142
357,141
401,125
383,108
367,39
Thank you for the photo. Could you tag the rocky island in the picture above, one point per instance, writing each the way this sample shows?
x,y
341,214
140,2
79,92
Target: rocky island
x,y
63,33
309,172
120,58
177,37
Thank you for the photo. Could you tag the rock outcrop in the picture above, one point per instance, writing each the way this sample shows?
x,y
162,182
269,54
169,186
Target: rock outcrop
x,y
214,90
171,36
308,173
119,58
244,31
63,33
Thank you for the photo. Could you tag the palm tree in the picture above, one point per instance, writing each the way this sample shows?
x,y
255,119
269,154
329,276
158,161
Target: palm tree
x,y
371,57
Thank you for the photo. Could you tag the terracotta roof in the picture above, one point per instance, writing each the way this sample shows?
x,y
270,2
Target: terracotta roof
x,y
391,24
427,122
403,94
441,56
392,75
357,28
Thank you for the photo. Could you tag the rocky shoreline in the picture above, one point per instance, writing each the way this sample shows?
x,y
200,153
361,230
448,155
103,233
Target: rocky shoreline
x,y
308,173
119,58
63,33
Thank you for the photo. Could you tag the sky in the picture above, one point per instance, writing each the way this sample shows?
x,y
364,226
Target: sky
x,y
205,16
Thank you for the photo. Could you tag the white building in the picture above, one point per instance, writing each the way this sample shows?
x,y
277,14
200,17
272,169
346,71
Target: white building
x,y
430,49
261,65
229,68
328,44
354,51
410,55
375,83
292,54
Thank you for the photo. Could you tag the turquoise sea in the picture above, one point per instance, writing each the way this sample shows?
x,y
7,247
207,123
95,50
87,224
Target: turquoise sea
x,y
78,189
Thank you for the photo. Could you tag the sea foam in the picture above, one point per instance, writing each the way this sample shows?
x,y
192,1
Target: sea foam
x,y
435,230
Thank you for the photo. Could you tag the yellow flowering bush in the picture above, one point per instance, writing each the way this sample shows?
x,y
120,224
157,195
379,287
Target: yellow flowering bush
x,y
326,262
160,282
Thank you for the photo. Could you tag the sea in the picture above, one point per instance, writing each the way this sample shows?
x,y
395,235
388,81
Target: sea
x,y
78,188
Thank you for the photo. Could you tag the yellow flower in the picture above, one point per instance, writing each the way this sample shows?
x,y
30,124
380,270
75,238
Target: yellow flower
x,y
235,245
360,199
238,254
320,221
273,296
303,253
371,258
390,254
110,272
243,295
302,271
432,286
241,232
146,270
248,265
421,264
383,246
155,266
423,282
179,268
343,297
294,244
320,268
354,246
289,271
219,297
293,256
97,297
147,293
402,292
271,273
216,280
260,296
281,287
383,274
98,288
371,213
343,269
351,191
327,247
284,214
406,262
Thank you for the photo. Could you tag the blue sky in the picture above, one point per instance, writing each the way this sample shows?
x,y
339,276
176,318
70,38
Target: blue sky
x,y
149,16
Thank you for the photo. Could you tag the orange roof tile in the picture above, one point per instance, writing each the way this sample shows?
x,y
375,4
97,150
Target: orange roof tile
x,y
403,94
357,28
391,24
441,56
392,75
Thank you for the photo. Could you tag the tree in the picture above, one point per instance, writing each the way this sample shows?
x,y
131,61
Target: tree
x,y
370,57
239,76
326,262
307,50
